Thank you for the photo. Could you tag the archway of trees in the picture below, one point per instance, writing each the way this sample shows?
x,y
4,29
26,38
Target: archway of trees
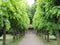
x,y
16,16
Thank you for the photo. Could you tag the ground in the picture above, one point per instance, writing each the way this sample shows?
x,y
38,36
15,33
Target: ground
x,y
31,39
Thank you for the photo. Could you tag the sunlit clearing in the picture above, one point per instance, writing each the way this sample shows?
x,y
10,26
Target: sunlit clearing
x,y
30,2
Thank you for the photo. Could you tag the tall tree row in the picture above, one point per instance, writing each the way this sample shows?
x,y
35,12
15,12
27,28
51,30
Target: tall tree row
x,y
47,18
31,11
13,15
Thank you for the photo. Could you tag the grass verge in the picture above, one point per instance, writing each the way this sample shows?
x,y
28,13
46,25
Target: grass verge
x,y
9,40
52,42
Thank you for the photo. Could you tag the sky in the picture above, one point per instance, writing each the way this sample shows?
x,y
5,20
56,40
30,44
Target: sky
x,y
30,2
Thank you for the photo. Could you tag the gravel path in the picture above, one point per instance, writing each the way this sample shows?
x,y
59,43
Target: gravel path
x,y
31,39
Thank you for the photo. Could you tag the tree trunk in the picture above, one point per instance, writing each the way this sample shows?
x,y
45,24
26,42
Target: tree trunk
x,y
14,35
48,36
42,33
45,36
4,35
58,37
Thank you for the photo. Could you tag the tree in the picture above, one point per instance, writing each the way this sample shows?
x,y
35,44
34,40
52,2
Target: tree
x,y
46,18
31,11
13,15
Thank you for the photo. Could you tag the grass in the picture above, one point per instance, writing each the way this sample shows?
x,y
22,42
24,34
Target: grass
x,y
9,40
16,42
52,42
0,42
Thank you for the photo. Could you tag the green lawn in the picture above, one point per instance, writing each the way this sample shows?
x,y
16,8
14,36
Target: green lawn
x,y
52,42
9,40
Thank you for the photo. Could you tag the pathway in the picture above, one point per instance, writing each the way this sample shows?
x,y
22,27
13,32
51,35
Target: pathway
x,y
31,39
